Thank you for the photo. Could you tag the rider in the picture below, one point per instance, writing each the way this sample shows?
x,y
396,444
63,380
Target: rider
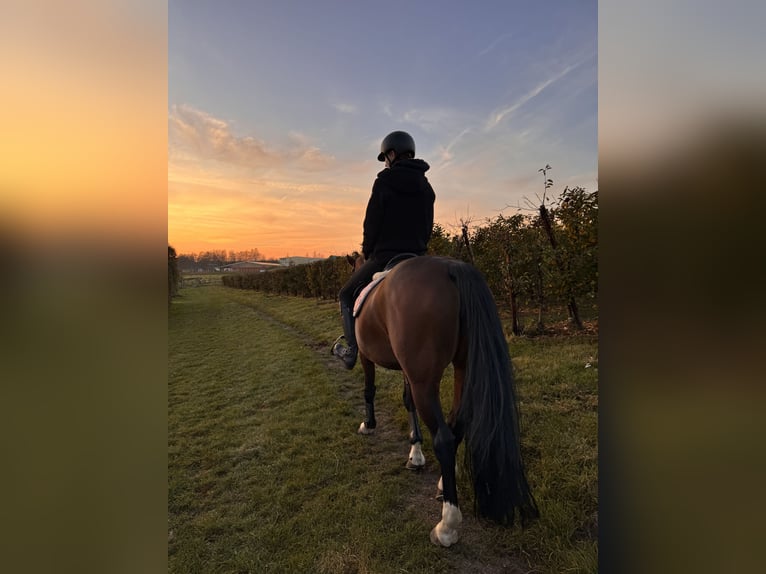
x,y
399,219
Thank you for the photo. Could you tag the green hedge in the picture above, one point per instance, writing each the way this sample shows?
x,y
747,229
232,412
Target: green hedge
x,y
321,279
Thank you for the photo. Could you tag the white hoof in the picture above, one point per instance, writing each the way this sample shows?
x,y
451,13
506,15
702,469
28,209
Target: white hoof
x,y
440,538
445,533
416,459
364,430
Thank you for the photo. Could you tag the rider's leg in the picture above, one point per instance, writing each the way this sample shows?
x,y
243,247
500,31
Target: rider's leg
x,y
358,279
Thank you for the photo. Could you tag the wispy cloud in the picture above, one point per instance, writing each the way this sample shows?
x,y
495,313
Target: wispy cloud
x,y
195,132
430,119
498,116
445,155
345,108
211,138
494,44
306,154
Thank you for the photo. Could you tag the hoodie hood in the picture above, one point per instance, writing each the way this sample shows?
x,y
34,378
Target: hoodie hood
x,y
404,172
416,164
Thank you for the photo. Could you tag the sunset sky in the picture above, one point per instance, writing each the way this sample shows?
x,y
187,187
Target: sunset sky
x,y
276,111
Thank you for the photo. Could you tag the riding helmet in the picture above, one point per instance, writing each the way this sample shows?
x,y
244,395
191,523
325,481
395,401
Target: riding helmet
x,y
400,142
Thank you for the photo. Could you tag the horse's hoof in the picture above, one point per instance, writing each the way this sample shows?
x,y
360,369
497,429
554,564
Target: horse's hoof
x,y
364,430
434,539
416,460
445,539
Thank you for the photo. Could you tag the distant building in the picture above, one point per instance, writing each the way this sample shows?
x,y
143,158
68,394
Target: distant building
x,y
287,261
250,266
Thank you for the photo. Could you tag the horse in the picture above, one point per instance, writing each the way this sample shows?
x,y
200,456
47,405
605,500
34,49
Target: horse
x,y
429,312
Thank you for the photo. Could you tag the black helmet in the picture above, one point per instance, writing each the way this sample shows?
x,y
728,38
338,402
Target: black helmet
x,y
400,142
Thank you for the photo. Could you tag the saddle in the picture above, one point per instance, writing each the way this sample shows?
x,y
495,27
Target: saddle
x,y
377,278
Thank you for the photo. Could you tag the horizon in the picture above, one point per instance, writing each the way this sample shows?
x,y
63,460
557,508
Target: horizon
x,y
261,257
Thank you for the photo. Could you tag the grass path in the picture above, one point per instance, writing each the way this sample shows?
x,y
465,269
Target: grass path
x,y
267,474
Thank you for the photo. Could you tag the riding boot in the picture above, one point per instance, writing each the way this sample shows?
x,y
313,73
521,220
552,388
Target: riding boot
x,y
348,353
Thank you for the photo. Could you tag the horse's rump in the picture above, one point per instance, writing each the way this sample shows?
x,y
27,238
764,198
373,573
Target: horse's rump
x,y
413,316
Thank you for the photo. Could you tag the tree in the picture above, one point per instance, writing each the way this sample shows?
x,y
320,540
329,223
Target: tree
x,y
441,243
493,257
576,215
561,264
174,277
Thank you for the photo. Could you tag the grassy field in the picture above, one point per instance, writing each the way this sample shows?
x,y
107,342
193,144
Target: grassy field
x,y
267,473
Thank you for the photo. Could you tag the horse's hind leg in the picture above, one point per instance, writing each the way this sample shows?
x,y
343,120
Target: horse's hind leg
x,y
458,430
416,460
429,407
445,532
453,421
369,423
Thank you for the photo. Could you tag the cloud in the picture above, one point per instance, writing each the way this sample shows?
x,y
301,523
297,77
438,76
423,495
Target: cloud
x,y
205,137
211,138
345,108
498,116
305,155
430,119
445,155
494,43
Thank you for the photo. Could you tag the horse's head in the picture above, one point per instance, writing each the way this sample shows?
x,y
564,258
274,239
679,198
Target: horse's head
x,y
356,260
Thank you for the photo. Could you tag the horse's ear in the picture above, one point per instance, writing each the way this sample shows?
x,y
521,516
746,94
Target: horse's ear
x,y
351,260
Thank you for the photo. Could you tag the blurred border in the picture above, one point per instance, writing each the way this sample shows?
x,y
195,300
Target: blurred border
x,y
682,139
83,335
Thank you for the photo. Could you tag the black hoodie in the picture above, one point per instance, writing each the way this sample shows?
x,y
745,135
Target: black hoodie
x,y
400,213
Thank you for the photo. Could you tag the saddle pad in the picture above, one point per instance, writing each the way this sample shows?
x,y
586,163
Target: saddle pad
x,y
377,278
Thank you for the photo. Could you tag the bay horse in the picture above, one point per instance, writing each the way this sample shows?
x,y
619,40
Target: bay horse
x,y
429,312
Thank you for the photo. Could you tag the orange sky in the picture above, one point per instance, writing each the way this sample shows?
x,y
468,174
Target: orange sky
x,y
246,215
233,193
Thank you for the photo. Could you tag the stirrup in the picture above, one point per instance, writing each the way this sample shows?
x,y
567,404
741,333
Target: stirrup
x,y
336,344
346,354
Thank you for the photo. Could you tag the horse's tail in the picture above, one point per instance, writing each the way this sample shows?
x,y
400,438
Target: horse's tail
x,y
488,411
